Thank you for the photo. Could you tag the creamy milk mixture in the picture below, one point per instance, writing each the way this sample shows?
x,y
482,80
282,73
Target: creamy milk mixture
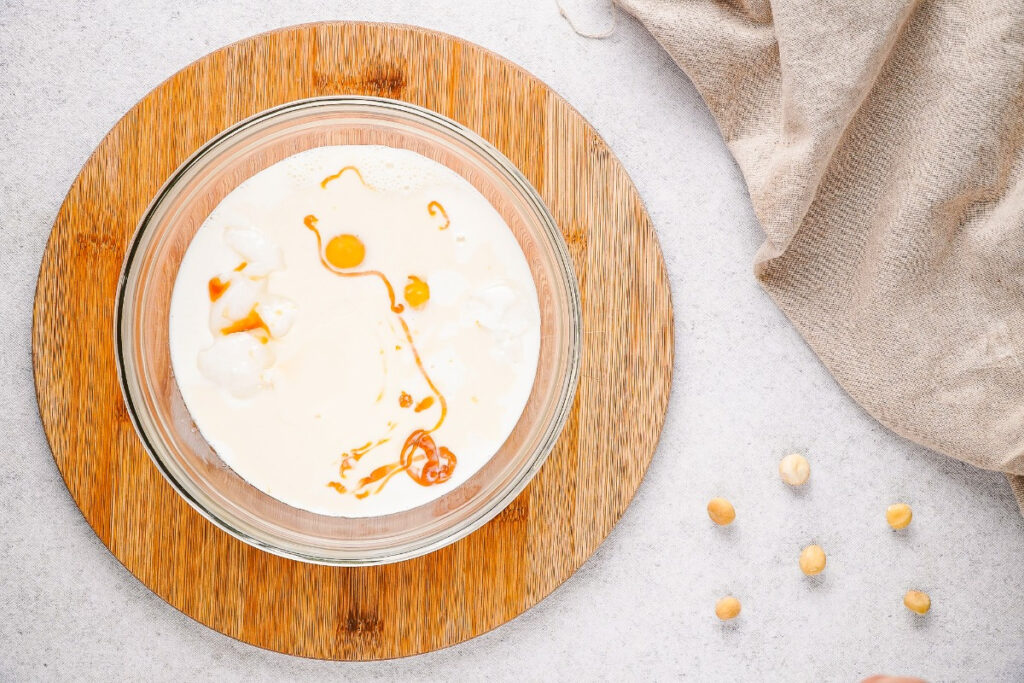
x,y
355,330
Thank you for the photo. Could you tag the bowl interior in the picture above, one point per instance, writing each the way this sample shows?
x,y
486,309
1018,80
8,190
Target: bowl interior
x,y
152,395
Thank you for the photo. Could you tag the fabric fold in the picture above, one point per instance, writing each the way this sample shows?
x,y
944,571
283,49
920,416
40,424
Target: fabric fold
x,y
882,144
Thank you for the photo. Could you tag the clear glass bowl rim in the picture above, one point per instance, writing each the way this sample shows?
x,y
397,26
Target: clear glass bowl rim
x,y
554,238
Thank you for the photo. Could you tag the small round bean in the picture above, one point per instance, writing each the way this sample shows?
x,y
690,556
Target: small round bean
x,y
721,511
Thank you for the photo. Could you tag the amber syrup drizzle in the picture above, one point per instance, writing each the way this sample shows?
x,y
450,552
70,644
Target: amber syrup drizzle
x,y
252,321
420,457
434,208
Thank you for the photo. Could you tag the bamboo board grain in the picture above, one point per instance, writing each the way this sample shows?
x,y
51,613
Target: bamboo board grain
x,y
455,593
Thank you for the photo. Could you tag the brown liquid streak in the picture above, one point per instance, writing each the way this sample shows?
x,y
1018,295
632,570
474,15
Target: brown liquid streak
x,y
323,183
433,208
252,321
399,467
399,470
355,454
419,363
358,453
390,470
310,222
378,474
216,288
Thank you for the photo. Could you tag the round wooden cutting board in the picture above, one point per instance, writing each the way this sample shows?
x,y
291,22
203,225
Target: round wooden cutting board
x,y
466,588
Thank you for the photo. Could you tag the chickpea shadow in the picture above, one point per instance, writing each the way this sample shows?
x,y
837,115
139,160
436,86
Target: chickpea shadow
x,y
730,626
918,622
816,582
802,491
904,536
728,531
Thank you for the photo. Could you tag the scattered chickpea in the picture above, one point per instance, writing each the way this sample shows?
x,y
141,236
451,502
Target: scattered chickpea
x,y
812,560
721,511
727,608
917,601
794,469
898,515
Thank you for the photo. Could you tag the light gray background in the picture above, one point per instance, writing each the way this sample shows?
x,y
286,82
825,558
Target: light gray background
x,y
746,390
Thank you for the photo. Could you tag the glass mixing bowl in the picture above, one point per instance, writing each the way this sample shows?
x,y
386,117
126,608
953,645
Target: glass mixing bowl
x,y
143,353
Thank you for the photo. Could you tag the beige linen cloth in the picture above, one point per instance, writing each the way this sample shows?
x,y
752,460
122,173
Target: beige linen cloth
x,y
881,142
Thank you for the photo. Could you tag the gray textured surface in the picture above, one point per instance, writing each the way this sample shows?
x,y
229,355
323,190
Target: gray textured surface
x,y
746,391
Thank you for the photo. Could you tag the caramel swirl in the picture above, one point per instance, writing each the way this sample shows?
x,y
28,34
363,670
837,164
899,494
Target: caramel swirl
x,y
325,181
420,457
434,208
